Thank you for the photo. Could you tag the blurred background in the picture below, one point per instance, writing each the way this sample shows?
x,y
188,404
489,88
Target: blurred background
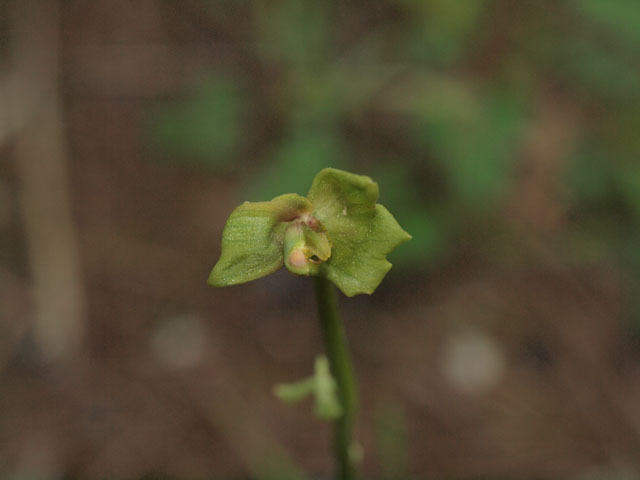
x,y
504,343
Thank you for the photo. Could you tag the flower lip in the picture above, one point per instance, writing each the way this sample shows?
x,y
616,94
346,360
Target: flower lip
x,y
306,245
297,258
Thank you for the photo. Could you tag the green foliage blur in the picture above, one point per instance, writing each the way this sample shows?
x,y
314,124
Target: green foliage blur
x,y
435,100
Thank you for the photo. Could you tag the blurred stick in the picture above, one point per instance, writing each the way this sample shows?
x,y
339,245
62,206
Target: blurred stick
x,y
13,114
41,166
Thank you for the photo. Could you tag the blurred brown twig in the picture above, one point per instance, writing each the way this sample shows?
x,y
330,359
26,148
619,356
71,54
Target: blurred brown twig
x,y
41,163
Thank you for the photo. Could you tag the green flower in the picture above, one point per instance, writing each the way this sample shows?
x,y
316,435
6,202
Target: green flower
x,y
338,231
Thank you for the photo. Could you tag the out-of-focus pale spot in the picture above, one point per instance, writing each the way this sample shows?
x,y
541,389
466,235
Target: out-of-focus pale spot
x,y
180,342
6,205
472,362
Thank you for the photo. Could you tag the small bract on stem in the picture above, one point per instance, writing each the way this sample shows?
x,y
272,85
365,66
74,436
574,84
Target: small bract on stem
x,y
337,234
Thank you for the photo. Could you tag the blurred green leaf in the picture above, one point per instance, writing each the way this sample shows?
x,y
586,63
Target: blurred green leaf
x,y
589,177
432,96
295,163
620,17
205,129
316,98
428,243
400,193
295,32
604,181
598,67
476,153
442,29
604,194
628,179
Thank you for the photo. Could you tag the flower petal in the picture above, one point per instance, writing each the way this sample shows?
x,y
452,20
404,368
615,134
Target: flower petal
x,y
362,232
252,240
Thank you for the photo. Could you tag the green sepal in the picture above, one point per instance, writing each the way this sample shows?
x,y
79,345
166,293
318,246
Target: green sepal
x,y
321,386
253,239
362,232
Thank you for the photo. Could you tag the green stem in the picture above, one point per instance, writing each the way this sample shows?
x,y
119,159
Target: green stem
x,y
337,350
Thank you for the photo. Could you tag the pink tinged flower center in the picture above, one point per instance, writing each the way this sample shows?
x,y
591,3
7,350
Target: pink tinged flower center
x,y
297,258
306,246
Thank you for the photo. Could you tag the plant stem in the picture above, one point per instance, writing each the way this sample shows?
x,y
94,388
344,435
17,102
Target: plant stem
x,y
337,350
